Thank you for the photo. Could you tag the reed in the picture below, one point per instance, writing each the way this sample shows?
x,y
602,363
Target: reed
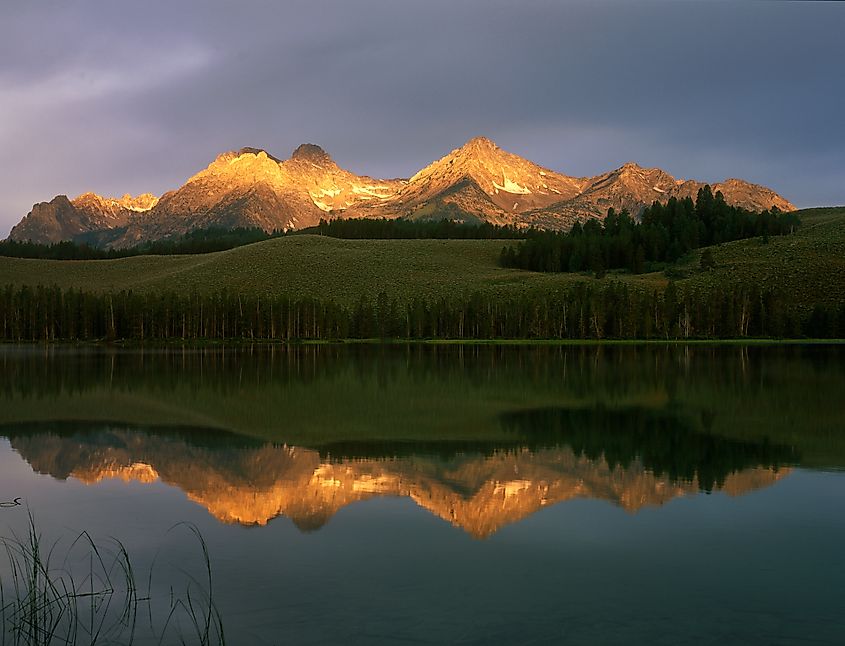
x,y
86,592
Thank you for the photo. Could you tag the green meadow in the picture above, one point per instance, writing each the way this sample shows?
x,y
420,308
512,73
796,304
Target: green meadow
x,y
809,265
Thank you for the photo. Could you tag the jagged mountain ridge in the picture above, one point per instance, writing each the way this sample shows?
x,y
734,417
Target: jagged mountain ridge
x,y
476,182
632,187
480,179
251,188
65,219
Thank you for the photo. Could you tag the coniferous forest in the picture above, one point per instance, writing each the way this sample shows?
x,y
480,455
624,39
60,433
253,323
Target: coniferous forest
x,y
583,312
664,234
213,239
400,228
194,242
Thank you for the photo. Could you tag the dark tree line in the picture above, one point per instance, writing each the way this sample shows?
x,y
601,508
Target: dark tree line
x,y
581,312
193,242
664,234
219,239
400,228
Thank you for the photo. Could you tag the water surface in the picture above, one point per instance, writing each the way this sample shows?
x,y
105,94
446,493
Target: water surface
x,y
454,494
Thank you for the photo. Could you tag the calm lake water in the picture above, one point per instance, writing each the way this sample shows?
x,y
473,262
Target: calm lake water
x,y
450,494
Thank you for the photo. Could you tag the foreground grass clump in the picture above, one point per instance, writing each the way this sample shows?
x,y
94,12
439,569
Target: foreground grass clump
x,y
92,596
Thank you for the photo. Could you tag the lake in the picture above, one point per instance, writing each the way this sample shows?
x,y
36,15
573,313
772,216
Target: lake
x,y
443,494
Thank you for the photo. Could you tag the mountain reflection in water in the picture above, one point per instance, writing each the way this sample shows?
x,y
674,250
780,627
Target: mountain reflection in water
x,y
587,469
481,436
631,458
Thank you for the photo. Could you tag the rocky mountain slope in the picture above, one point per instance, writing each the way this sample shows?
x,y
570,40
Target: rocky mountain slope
x,y
476,182
632,187
64,219
251,188
482,180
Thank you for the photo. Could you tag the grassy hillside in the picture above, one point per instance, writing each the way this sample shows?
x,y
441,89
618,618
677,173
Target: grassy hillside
x,y
309,266
810,264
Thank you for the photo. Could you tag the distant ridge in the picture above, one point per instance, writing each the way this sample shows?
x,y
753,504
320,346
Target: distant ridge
x,y
476,182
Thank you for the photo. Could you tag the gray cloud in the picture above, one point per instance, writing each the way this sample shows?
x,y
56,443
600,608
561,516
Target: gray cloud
x,y
118,97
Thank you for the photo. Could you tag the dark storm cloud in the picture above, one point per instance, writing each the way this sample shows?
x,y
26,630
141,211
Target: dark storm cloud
x,y
119,96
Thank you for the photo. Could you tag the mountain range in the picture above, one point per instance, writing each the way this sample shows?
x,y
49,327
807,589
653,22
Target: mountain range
x,y
478,182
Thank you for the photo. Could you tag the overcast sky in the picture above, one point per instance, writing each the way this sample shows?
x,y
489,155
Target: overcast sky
x,y
120,97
